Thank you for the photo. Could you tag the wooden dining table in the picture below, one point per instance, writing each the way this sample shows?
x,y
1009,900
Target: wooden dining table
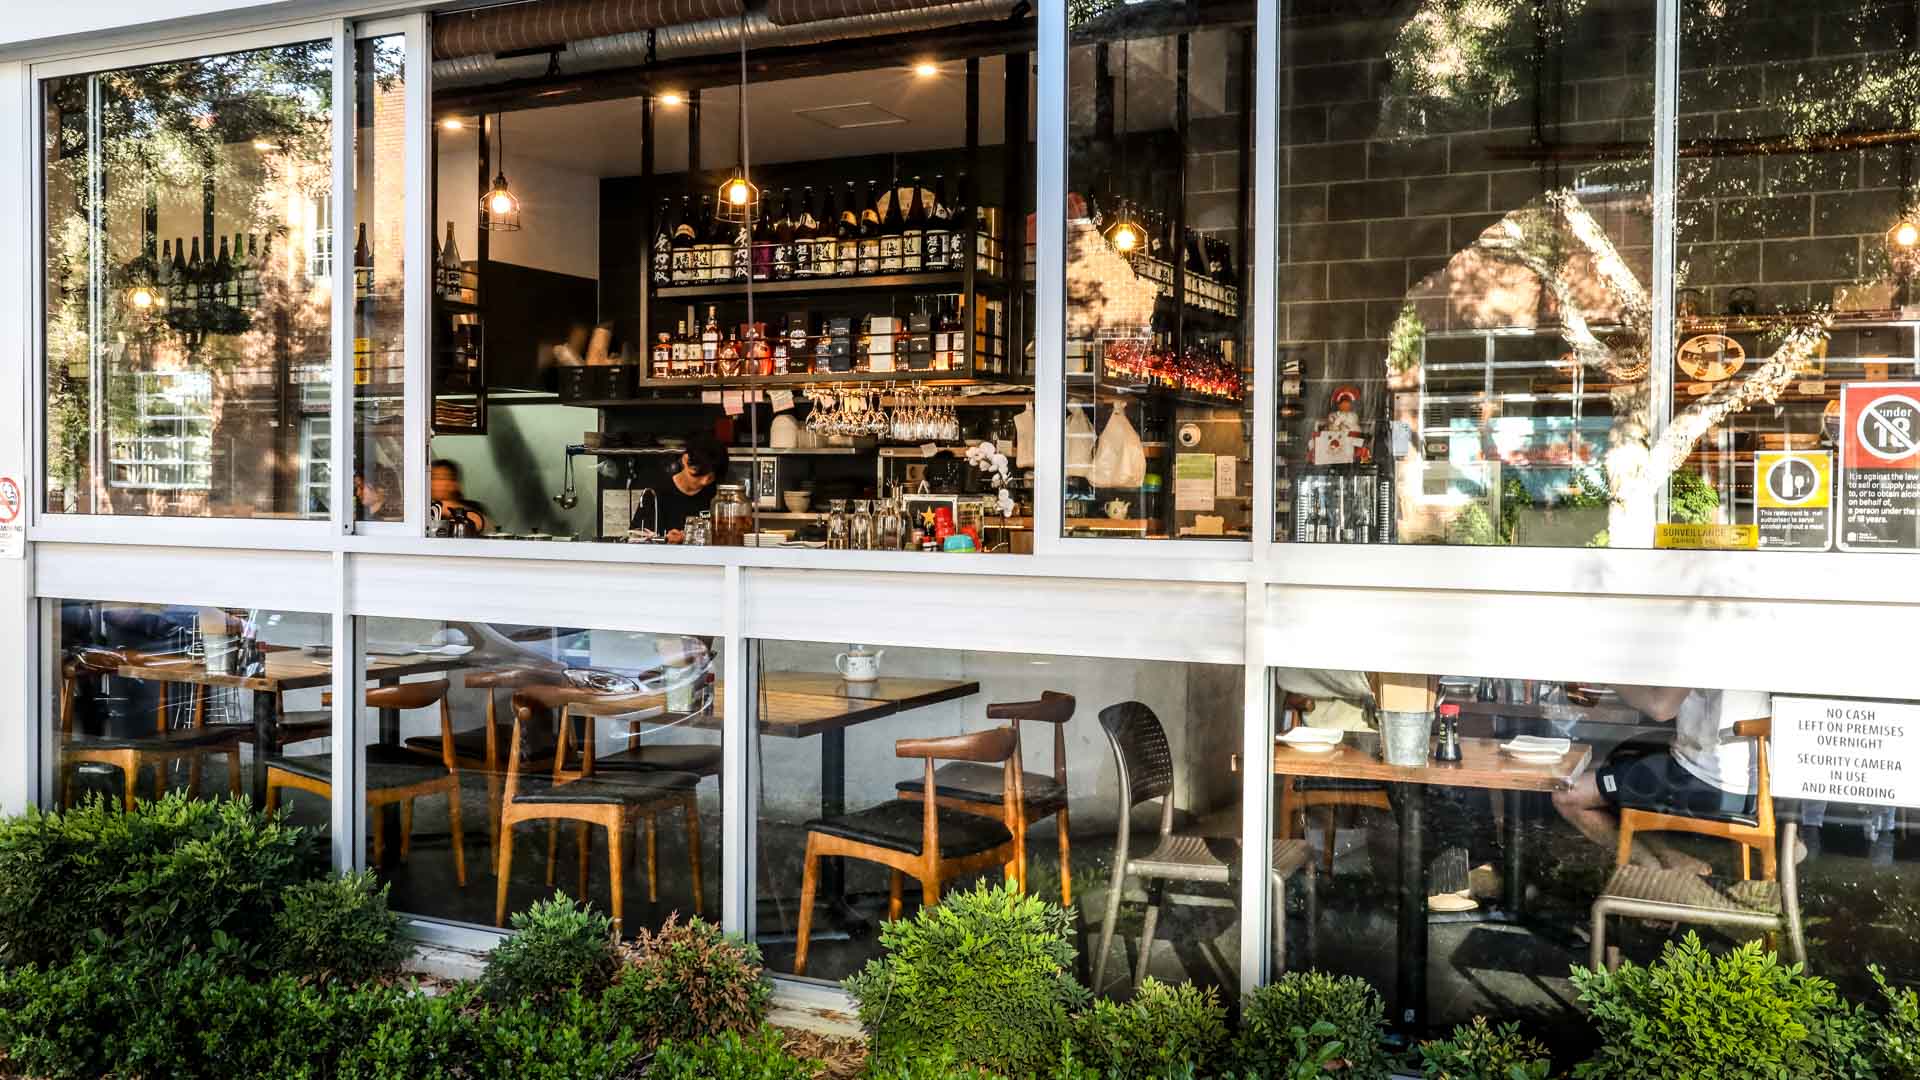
x,y
1482,765
285,668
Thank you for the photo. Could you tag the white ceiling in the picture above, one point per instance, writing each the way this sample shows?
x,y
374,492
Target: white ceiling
x,y
603,138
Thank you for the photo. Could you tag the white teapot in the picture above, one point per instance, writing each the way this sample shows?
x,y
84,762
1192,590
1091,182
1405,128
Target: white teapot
x,y
859,663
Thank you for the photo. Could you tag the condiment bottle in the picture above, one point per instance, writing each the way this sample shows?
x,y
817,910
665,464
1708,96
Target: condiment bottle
x,y
1449,748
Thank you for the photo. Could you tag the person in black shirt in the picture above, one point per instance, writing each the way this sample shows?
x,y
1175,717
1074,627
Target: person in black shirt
x,y
685,491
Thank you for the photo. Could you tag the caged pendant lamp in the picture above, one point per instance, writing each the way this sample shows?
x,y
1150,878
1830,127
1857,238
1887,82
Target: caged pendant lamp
x,y
1124,233
500,207
738,199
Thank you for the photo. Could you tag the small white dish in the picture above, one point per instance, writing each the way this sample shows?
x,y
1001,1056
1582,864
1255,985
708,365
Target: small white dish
x,y
1537,747
1312,740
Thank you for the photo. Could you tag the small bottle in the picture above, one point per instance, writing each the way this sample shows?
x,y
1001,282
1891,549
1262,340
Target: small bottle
x,y
662,367
1449,748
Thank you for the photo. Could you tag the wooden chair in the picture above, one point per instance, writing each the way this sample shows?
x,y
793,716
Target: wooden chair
x,y
580,795
1300,796
1676,896
482,749
1144,759
932,842
130,754
977,788
1758,831
393,774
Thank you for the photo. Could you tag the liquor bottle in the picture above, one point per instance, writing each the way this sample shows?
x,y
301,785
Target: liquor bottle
x,y
196,274
806,229
450,271
730,356
913,252
239,267
1322,527
719,244
953,355
939,232
869,251
760,238
680,360
847,233
663,246
710,342
684,241
785,228
362,264
961,244
163,271
740,237
662,366
893,230
1196,262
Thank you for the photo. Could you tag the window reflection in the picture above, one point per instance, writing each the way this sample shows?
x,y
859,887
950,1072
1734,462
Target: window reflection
x,y
187,339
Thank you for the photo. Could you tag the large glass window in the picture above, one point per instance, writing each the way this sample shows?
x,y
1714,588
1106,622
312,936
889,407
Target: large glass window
x,y
834,775
1159,223
148,699
505,762
379,292
1473,829
184,331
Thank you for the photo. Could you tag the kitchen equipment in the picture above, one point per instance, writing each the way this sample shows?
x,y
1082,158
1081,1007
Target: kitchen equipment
x,y
859,663
837,524
731,517
699,530
1116,508
568,497
890,525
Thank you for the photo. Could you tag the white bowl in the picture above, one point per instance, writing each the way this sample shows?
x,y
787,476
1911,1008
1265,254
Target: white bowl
x,y
797,501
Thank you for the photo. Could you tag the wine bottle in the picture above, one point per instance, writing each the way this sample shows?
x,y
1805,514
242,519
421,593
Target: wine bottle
x,y
893,230
961,244
740,235
362,264
715,260
663,246
847,251
870,233
449,264
806,229
196,274
938,241
684,240
760,236
710,342
913,252
163,273
784,230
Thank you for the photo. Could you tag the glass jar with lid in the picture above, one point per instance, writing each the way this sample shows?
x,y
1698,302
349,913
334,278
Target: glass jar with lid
x,y
860,526
698,531
731,518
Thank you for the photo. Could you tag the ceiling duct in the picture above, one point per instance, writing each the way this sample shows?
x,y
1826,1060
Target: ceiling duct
x,y
710,37
794,12
552,23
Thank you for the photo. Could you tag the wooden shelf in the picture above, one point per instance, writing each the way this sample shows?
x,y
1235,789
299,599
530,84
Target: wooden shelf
x,y
942,280
771,382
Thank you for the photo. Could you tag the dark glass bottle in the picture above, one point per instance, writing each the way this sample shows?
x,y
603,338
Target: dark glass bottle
x,y
663,245
783,232
847,251
869,251
938,243
893,233
806,228
761,237
684,241
913,251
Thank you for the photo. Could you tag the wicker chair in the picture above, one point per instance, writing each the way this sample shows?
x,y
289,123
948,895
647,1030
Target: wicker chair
x,y
1641,892
1145,763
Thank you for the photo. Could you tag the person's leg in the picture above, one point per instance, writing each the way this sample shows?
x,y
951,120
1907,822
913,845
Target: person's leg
x,y
1586,809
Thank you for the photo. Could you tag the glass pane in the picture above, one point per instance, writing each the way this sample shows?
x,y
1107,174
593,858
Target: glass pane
x,y
1466,257
379,282
616,772
1468,888
188,314
1159,176
152,698
613,346
829,718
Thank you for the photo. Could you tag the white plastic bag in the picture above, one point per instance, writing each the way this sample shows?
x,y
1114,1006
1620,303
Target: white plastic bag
x,y
1119,461
1080,442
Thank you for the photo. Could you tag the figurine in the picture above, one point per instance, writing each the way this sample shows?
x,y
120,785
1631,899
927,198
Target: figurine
x,y
1336,438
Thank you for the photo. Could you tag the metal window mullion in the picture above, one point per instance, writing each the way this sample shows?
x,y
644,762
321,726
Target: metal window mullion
x,y
1666,172
419,273
737,808
345,87
1050,282
1258,906
348,811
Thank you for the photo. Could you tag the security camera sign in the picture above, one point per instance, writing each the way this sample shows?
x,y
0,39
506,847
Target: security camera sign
x,y
1846,750
13,520
1880,467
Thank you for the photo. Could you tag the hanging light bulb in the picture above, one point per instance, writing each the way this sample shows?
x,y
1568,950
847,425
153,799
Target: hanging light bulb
x,y
1125,235
500,207
739,197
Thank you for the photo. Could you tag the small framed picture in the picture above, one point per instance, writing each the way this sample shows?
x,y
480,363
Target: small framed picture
x,y
766,483
920,511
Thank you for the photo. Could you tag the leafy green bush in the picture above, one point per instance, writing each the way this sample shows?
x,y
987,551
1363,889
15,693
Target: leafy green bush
x,y
1741,1015
338,928
988,972
941,1063
566,1036
1278,1022
1479,1051
167,878
689,981
557,944
1163,1029
1898,1050
729,1057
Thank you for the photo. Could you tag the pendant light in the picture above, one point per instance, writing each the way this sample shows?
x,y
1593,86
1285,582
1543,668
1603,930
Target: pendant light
x,y
738,199
500,207
1124,234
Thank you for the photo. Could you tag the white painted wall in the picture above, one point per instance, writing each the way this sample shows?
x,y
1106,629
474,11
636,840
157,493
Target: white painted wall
x,y
559,208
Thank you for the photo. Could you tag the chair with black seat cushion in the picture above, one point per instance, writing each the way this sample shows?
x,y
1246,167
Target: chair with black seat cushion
x,y
132,753
1749,832
1145,762
976,788
922,838
481,749
613,802
393,774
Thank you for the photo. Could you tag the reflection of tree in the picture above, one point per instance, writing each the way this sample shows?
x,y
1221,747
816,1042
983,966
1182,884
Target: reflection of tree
x,y
245,127
1454,60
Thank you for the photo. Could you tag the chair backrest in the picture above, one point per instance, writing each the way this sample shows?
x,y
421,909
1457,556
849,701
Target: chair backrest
x,y
1141,752
992,745
995,745
1760,731
406,695
1053,708
513,678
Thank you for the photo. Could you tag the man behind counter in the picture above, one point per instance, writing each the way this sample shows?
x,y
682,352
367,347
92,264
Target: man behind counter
x,y
685,491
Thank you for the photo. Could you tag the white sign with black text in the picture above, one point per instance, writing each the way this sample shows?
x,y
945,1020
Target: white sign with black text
x,y
1846,750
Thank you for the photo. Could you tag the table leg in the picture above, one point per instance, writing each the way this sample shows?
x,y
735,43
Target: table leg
x,y
1411,982
266,740
833,803
390,813
1515,868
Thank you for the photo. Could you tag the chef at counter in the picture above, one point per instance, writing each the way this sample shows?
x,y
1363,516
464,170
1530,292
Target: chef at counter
x,y
684,491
